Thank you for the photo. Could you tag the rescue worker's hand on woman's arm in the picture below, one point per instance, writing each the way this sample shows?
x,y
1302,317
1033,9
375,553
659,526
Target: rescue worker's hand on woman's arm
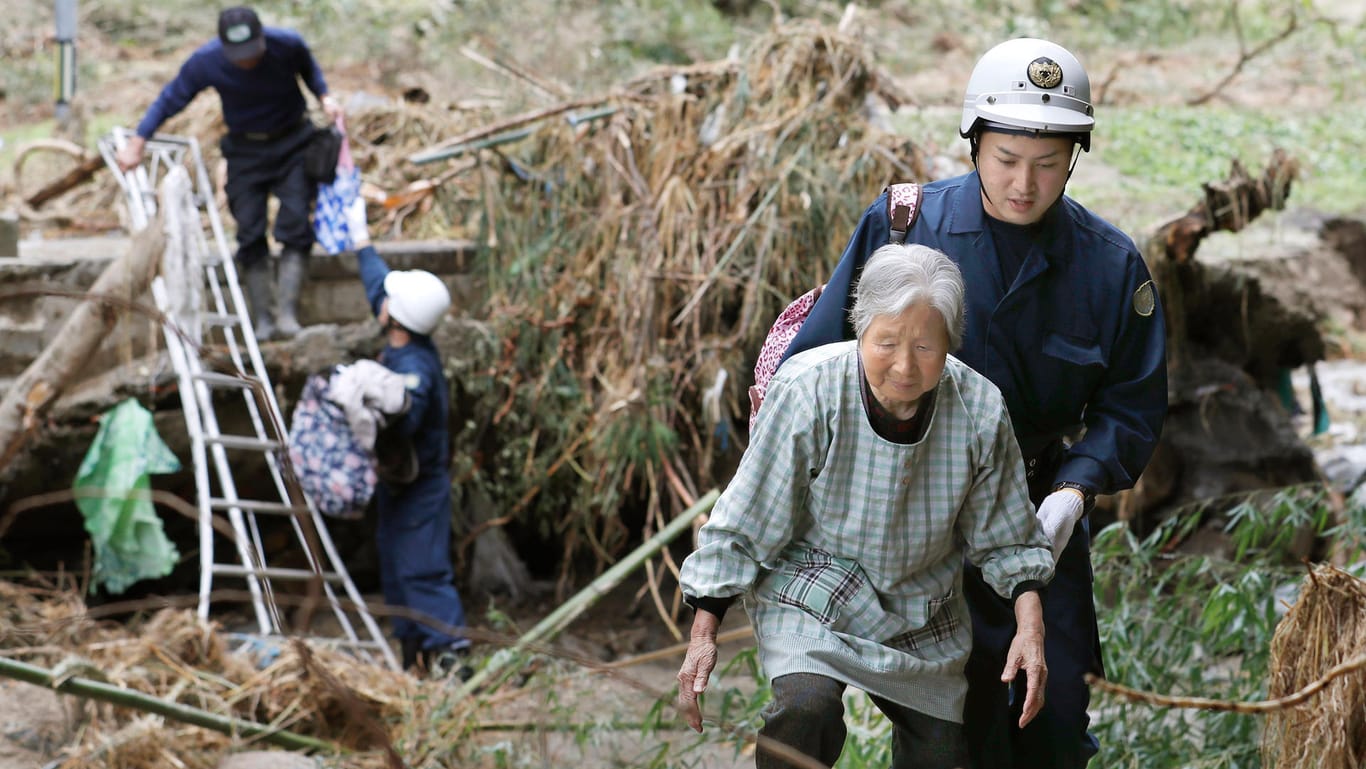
x,y
697,666
1058,516
1026,653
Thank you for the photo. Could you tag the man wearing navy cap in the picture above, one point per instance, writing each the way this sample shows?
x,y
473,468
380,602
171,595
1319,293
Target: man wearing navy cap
x,y
255,70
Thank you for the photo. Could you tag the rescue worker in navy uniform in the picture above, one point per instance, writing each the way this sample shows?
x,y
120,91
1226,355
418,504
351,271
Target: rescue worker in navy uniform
x,y
414,497
255,70
1063,317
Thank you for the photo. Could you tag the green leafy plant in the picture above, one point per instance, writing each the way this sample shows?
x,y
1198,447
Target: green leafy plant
x,y
1195,625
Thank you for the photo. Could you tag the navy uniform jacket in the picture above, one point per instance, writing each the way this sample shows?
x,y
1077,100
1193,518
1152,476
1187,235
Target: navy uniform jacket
x,y
265,98
426,421
1078,339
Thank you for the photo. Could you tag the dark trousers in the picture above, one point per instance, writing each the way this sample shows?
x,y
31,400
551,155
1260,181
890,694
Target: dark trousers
x,y
1057,737
807,714
414,540
258,169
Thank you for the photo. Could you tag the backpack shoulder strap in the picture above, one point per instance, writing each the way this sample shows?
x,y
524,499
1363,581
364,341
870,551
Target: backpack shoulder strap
x,y
903,206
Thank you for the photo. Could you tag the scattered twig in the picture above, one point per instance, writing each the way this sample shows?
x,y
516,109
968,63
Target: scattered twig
x,y
549,89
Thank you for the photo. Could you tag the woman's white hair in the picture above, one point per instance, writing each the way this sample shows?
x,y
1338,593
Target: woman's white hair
x,y
899,275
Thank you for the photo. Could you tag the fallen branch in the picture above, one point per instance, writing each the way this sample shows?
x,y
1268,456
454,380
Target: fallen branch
x,y
1204,703
1229,205
96,690
497,668
74,177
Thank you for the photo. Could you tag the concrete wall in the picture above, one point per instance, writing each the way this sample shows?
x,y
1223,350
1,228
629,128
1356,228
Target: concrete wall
x,y
32,308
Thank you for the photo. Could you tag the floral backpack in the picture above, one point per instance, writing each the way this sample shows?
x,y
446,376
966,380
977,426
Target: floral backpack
x,y
336,472
903,206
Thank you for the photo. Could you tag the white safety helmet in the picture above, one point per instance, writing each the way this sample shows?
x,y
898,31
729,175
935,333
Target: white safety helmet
x,y
1032,86
418,300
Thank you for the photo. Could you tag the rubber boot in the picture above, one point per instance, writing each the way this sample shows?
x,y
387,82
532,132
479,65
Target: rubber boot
x,y
256,280
293,267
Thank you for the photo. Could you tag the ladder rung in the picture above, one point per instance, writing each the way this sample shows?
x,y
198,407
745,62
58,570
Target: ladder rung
x,y
270,572
256,506
244,639
219,319
226,380
242,442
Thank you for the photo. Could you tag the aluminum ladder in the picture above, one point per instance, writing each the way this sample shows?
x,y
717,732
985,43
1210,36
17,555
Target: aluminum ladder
x,y
206,310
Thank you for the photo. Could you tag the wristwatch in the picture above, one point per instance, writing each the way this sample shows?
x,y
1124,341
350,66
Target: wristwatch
x,y
1088,496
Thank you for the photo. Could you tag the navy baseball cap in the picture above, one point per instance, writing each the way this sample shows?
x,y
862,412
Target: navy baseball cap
x,y
239,29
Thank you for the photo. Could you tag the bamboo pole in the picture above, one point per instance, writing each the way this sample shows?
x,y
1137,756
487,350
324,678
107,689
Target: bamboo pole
x,y
96,690
498,667
509,130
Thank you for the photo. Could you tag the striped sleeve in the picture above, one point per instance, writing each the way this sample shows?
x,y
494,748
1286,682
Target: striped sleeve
x,y
997,520
765,502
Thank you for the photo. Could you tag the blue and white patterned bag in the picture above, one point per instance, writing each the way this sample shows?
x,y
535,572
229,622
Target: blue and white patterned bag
x,y
334,198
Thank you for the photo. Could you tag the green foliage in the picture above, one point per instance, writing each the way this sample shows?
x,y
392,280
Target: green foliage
x,y
1194,625
1176,148
662,31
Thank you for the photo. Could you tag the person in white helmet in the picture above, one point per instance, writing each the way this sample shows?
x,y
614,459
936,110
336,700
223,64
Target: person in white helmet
x,y
414,493
1063,317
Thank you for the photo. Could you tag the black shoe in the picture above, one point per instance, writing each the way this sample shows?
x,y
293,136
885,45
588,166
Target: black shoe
x,y
412,652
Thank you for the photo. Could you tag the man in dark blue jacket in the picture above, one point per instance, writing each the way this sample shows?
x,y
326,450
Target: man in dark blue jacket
x,y
1063,317
255,71
414,494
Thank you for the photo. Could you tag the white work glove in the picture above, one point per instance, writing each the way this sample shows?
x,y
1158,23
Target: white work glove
x,y
356,224
1058,515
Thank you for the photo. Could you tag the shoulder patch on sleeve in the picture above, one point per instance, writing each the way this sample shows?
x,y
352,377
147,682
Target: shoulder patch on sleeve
x,y
1144,299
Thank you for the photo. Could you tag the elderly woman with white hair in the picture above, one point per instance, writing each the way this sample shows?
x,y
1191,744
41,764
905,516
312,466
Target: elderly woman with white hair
x,y
875,466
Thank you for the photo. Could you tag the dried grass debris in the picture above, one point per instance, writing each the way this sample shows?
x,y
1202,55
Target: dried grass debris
x,y
1324,628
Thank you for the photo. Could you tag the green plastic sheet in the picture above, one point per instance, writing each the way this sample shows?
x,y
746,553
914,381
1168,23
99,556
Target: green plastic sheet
x,y
129,541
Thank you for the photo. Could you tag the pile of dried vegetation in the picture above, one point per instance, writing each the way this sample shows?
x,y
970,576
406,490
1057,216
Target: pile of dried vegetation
x,y
638,261
1326,628
325,700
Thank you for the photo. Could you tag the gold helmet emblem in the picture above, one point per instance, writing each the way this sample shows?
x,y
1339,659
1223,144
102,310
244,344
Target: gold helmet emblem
x,y
1045,73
